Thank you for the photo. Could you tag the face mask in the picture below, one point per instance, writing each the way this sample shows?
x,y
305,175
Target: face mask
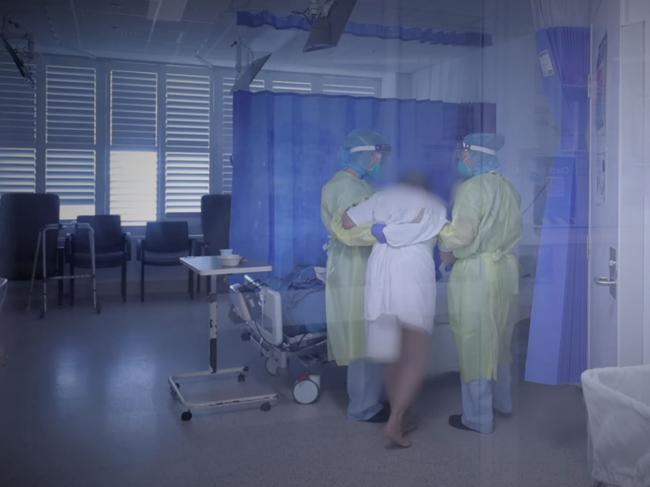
x,y
464,170
375,171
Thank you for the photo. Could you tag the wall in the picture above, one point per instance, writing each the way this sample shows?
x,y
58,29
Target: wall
x,y
634,201
454,76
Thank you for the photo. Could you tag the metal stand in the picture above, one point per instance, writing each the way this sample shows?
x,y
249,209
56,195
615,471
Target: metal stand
x,y
265,400
41,248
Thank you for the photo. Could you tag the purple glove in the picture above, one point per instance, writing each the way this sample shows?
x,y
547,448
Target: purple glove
x,y
378,232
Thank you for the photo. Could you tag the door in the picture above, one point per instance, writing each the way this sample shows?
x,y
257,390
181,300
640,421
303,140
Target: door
x,y
603,204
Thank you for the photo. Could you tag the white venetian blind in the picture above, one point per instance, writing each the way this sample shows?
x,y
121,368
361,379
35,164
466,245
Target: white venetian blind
x,y
287,85
17,131
187,141
134,108
17,170
339,85
70,173
133,165
70,105
70,137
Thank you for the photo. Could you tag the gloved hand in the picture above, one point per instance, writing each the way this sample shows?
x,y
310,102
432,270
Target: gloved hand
x,y
378,232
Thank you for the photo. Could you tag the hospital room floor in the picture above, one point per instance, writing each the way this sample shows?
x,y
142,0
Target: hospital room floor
x,y
85,402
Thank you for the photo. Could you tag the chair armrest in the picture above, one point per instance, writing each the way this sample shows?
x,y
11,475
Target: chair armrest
x,y
68,245
126,239
141,248
192,245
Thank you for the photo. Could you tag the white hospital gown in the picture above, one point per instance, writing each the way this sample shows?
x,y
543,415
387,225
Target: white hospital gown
x,y
401,274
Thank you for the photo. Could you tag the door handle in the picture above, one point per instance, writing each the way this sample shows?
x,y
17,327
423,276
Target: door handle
x,y
604,281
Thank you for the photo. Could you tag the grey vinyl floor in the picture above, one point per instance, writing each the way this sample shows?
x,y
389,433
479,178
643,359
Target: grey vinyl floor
x,y
84,401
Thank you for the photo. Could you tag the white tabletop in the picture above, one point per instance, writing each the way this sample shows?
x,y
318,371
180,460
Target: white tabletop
x,y
209,265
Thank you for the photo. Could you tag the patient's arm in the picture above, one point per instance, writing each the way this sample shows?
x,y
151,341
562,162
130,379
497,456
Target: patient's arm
x,y
425,226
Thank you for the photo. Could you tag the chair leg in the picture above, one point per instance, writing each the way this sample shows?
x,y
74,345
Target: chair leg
x,y
198,284
124,266
60,271
142,281
71,284
190,283
208,285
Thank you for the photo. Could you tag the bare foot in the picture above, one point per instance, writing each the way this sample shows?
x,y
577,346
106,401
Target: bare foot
x,y
409,426
395,435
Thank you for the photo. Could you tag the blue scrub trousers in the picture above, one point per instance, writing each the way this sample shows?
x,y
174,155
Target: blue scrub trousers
x,y
365,389
482,397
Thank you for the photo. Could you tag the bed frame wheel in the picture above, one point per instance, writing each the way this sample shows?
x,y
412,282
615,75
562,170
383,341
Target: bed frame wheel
x,y
306,391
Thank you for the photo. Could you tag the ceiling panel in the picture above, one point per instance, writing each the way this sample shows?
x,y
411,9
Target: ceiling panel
x,y
205,10
121,29
137,8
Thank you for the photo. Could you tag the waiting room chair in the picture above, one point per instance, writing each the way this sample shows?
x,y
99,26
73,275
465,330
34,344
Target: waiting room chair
x,y
22,216
215,225
164,244
112,248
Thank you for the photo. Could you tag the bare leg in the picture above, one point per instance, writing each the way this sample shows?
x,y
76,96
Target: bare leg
x,y
391,376
410,376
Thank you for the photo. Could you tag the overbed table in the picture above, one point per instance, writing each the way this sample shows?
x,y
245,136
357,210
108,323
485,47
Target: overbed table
x,y
208,266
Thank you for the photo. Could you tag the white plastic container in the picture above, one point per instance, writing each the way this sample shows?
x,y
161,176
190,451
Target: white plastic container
x,y
618,406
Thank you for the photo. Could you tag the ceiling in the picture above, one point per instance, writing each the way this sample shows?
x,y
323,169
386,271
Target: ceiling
x,y
175,31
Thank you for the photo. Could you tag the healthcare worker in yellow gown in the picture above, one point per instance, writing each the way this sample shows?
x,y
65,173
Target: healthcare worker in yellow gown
x,y
347,256
485,228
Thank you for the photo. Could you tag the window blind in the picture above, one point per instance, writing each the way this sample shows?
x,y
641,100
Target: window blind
x,y
17,131
188,105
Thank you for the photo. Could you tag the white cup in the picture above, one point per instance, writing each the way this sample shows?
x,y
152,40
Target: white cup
x,y
225,252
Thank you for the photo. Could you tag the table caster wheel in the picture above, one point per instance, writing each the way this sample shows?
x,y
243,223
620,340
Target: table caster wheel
x,y
241,378
266,406
271,366
186,416
245,369
306,391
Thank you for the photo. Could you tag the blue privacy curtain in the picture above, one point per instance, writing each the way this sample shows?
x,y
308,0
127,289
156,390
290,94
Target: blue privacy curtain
x,y
287,146
557,347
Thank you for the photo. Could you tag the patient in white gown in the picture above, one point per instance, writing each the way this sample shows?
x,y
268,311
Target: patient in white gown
x,y
400,293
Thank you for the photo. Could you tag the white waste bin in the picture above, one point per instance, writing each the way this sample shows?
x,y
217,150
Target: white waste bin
x,y
618,407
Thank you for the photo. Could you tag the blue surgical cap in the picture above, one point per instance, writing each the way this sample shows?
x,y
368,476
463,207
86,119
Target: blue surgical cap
x,y
482,151
360,161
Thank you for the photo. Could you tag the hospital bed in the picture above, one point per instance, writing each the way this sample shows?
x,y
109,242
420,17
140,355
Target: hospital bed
x,y
285,319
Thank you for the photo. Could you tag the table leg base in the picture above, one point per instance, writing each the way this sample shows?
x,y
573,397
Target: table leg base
x,y
265,400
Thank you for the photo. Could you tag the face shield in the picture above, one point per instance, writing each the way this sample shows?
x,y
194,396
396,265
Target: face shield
x,y
371,157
